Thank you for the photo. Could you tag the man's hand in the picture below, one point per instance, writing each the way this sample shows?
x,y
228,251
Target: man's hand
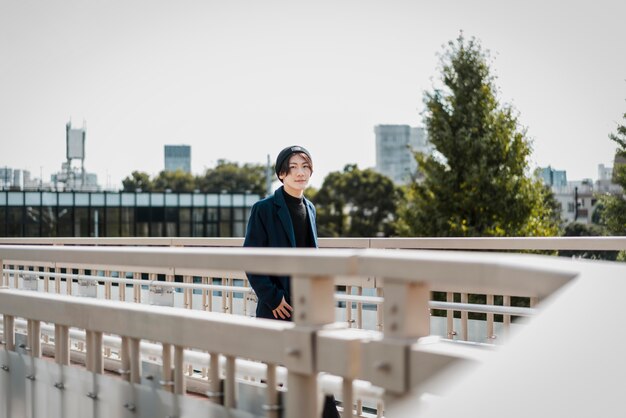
x,y
283,310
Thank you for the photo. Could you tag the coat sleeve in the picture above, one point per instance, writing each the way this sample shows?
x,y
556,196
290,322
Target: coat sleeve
x,y
264,286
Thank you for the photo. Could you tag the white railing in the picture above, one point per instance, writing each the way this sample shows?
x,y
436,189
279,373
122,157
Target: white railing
x,y
361,361
351,299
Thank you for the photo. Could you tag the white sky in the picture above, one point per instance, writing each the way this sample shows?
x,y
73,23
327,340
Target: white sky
x,y
240,79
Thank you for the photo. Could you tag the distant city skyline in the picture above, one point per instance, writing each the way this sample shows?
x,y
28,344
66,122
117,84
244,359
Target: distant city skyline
x,y
239,80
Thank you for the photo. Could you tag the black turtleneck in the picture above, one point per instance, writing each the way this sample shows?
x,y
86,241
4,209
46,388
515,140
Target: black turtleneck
x,y
299,219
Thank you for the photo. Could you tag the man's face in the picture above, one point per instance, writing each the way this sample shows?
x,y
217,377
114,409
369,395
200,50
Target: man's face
x,y
297,179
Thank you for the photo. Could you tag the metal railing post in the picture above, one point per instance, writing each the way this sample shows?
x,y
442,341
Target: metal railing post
x,y
450,317
224,296
166,369
359,308
125,359
137,288
407,318
107,285
187,294
349,307
229,383
215,394
491,336
61,344
506,320
464,318
8,330
46,280
348,398
34,338
94,352
379,311
231,309
179,371
135,360
313,303
121,288
271,407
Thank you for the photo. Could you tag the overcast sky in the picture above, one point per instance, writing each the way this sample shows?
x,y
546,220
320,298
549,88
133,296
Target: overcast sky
x,y
240,79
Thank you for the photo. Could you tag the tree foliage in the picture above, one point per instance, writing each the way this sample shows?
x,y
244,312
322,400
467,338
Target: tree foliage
x,y
232,177
476,183
355,203
226,176
613,214
137,181
577,229
176,181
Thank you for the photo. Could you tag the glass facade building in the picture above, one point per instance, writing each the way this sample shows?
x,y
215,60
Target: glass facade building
x,y
121,214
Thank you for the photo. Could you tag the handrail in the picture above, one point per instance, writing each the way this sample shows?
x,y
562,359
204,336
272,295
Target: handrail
x,y
313,343
611,243
523,275
369,300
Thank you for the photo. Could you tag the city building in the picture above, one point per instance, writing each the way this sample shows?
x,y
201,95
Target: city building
x,y
605,183
552,177
178,157
578,198
121,214
394,150
74,179
17,179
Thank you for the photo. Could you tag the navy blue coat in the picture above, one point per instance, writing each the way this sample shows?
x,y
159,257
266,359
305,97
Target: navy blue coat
x,y
270,226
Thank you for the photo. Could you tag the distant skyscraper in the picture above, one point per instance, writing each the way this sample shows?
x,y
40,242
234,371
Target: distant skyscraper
x,y
178,157
552,177
394,146
605,173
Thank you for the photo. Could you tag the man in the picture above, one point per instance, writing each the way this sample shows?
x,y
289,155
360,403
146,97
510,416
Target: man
x,y
285,219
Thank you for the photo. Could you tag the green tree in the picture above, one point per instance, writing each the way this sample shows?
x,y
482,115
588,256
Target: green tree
x,y
232,177
577,229
355,203
176,181
138,180
477,182
613,214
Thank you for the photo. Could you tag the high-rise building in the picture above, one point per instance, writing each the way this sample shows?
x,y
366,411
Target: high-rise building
x,y
604,172
178,157
394,150
6,177
552,177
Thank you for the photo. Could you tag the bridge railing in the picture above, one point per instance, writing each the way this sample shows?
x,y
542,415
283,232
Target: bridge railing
x,y
313,343
360,299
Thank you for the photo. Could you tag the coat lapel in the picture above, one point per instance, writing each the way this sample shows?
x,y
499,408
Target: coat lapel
x,y
283,215
311,213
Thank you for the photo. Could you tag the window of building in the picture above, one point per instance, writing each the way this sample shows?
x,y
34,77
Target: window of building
x,y
65,221
81,222
3,221
113,221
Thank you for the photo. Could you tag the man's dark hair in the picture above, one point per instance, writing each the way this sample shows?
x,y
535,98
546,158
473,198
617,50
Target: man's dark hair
x,y
284,168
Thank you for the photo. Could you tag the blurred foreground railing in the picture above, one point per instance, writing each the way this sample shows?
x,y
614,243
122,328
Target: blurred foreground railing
x,y
188,343
456,317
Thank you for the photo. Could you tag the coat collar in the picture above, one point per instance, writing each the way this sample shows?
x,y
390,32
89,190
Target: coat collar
x,y
285,217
